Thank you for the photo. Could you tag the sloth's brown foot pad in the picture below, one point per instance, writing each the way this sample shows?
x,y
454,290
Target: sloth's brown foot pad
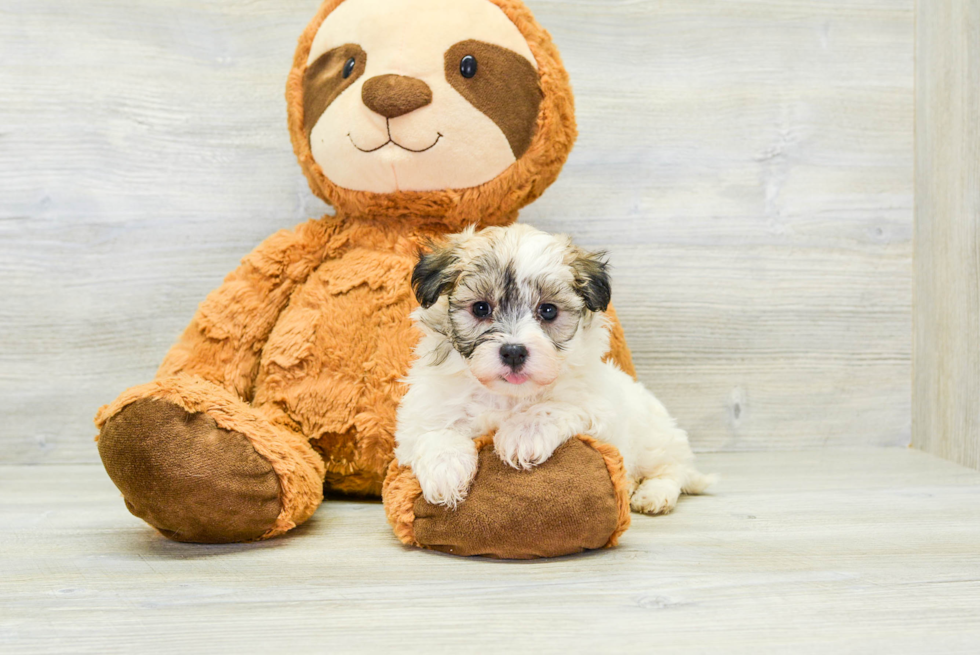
x,y
190,479
578,500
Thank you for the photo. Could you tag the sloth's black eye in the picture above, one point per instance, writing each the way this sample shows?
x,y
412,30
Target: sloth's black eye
x,y
467,66
548,312
481,309
349,67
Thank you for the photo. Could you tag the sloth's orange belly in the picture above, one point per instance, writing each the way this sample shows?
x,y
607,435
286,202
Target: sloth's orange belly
x,y
334,362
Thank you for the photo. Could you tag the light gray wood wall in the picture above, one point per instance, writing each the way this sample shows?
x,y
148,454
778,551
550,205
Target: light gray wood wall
x,y
946,418
748,163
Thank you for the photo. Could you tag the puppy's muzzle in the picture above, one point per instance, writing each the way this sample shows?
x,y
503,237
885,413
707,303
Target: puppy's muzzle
x,y
513,355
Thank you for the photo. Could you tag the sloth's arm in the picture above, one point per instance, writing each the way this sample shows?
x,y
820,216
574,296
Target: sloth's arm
x,y
619,352
224,341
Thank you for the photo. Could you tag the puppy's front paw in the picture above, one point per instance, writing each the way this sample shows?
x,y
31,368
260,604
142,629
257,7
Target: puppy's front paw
x,y
525,444
445,476
655,496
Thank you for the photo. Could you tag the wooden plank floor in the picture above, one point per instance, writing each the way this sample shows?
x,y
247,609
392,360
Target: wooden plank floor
x,y
869,551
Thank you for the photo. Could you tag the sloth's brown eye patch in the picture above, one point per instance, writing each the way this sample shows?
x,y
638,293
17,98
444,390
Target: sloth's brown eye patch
x,y
500,83
328,77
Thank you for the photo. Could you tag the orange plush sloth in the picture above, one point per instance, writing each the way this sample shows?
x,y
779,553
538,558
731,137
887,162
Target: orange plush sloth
x,y
413,119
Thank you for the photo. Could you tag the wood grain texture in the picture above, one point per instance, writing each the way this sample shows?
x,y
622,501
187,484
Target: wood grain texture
x,y
748,163
946,418
864,551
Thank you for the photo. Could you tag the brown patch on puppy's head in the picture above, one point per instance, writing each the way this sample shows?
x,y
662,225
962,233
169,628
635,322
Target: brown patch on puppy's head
x,y
591,271
434,274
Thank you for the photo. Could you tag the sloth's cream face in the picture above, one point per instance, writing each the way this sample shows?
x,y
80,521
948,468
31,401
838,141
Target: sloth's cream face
x,y
419,95
512,302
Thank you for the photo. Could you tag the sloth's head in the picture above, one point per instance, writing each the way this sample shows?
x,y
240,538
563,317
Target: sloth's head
x,y
515,303
454,109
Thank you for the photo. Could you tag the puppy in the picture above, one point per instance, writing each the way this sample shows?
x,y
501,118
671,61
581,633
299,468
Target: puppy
x,y
514,337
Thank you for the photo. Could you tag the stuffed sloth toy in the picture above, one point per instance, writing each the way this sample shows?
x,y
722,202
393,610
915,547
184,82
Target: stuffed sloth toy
x,y
413,119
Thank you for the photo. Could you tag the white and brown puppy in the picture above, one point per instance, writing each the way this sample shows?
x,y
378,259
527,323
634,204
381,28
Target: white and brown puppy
x,y
513,342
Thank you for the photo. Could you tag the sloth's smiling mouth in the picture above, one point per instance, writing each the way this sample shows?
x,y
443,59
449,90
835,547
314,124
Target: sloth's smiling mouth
x,y
391,141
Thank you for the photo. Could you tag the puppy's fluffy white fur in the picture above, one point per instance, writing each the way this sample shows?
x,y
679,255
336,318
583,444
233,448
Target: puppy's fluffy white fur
x,y
461,388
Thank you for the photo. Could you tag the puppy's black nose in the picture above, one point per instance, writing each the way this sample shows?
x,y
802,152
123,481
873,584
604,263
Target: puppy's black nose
x,y
513,354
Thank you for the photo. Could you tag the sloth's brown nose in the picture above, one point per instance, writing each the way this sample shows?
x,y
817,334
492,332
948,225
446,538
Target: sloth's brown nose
x,y
395,95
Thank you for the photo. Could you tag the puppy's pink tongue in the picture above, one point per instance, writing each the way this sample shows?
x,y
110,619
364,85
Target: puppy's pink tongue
x,y
516,378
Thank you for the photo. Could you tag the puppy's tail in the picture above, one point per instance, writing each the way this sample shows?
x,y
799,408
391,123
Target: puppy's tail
x,y
697,482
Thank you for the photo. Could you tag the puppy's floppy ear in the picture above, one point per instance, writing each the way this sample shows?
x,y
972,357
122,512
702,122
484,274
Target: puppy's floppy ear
x,y
434,275
592,283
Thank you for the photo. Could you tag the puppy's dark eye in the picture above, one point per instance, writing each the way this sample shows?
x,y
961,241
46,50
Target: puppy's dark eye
x,y
548,312
481,309
467,66
349,67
